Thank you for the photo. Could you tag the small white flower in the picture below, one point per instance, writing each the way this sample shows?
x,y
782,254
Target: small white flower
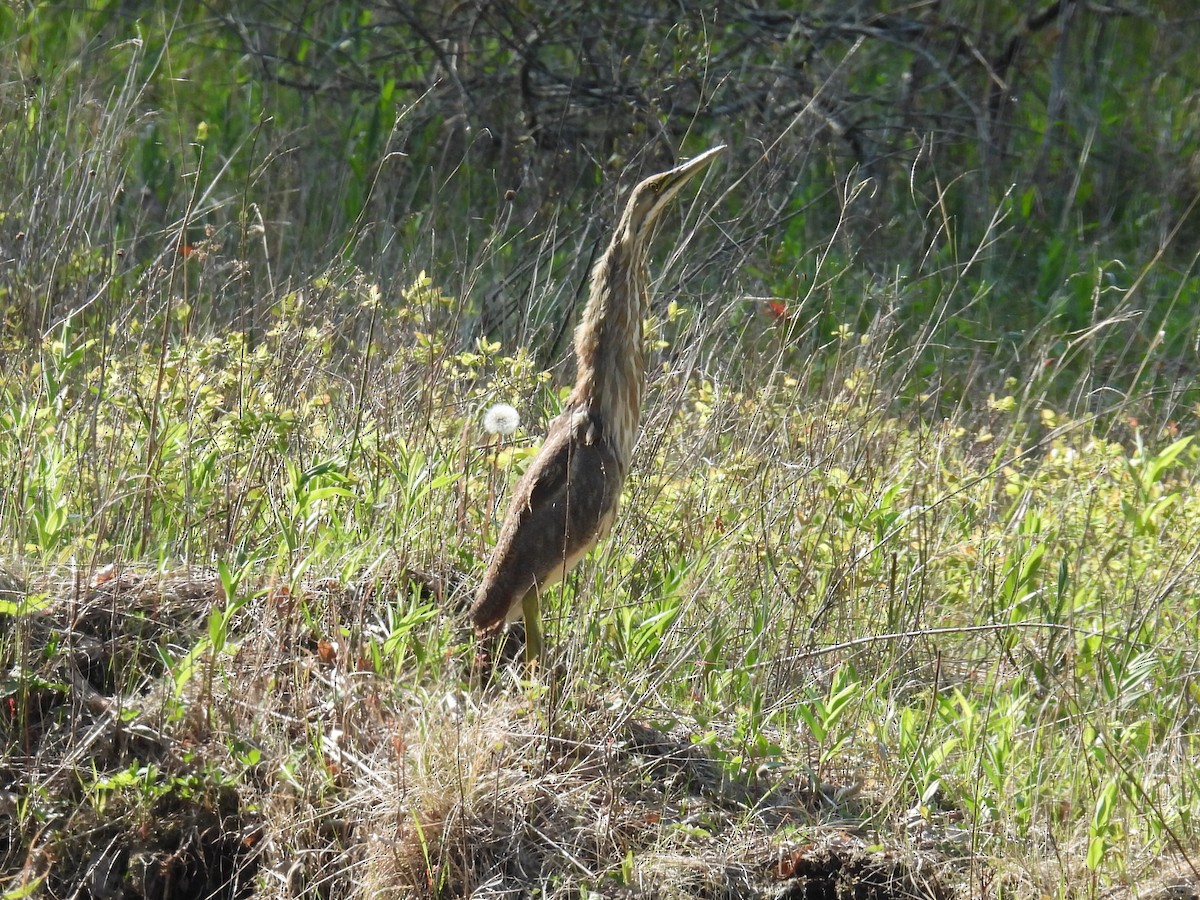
x,y
501,419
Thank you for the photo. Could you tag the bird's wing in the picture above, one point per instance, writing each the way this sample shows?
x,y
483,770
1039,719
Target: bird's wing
x,y
561,506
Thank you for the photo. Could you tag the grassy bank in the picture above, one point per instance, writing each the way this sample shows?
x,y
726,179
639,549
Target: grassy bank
x,y
967,640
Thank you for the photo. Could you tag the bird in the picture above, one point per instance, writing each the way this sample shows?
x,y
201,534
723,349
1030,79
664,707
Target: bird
x,y
567,499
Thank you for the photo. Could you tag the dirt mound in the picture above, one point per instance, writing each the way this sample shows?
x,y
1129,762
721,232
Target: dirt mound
x,y
97,798
185,849
851,873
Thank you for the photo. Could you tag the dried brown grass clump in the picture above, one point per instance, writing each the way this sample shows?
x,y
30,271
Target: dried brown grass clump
x,y
495,801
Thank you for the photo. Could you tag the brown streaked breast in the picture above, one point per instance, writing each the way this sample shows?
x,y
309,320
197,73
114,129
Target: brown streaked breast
x,y
566,500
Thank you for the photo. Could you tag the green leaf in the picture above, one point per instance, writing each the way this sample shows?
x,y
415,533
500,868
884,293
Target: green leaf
x,y
1159,464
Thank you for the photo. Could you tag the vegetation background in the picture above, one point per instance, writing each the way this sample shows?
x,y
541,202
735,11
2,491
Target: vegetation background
x,y
905,588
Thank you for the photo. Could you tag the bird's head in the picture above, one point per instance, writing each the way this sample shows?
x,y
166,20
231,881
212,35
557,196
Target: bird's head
x,y
652,195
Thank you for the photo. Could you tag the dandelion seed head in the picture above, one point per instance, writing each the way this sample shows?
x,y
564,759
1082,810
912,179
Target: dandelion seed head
x,y
501,419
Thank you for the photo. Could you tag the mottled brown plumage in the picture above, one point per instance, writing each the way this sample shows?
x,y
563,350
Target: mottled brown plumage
x,y
568,497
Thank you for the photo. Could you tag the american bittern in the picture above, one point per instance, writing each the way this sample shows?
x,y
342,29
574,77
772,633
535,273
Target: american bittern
x,y
567,499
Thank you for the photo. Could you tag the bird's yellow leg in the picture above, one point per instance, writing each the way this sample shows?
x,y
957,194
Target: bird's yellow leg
x,y
533,627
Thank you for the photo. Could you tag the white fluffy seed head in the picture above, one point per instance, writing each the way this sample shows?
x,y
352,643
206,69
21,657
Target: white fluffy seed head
x,y
501,419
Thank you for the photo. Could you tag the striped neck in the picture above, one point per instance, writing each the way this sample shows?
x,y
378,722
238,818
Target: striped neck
x,y
611,357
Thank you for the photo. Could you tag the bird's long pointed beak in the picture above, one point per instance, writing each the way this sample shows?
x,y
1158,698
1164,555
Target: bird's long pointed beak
x,y
670,182
686,170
